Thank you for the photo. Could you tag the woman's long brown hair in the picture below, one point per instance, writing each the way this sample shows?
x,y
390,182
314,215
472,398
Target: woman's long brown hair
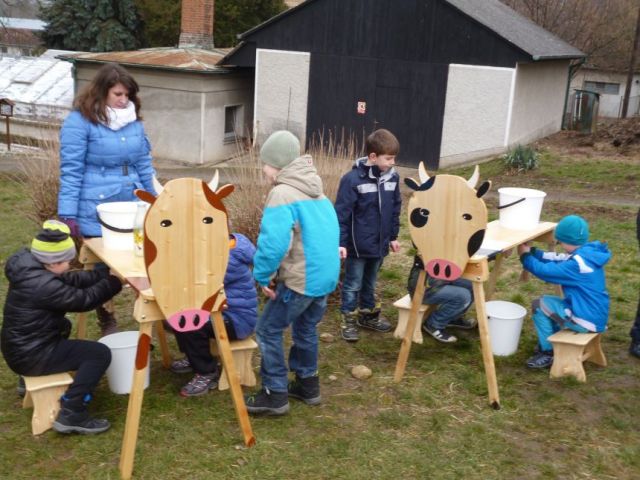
x,y
92,100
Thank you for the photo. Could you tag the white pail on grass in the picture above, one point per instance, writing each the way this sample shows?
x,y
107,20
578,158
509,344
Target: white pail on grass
x,y
505,325
123,347
520,208
117,219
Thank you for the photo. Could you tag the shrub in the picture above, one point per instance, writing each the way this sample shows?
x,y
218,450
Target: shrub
x,y
521,159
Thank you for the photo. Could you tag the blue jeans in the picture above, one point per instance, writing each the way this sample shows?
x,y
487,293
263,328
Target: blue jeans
x,y
452,300
552,320
360,276
303,313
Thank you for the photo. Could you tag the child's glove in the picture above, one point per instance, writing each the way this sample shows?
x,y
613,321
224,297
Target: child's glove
x,y
72,224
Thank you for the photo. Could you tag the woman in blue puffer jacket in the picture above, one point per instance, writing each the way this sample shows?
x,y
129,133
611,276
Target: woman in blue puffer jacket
x,y
104,156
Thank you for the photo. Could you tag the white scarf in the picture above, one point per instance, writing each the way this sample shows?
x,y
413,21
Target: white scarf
x,y
120,117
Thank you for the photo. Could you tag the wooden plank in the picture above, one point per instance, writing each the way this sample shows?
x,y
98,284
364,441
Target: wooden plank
x,y
405,348
226,357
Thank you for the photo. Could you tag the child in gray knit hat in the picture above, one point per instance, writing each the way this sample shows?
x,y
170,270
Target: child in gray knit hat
x,y
35,333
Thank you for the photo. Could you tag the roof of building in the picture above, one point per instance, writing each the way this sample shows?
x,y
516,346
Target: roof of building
x,y
496,16
183,59
22,23
42,87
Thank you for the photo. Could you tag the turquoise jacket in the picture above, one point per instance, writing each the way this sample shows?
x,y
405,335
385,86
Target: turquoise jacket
x,y
99,165
299,233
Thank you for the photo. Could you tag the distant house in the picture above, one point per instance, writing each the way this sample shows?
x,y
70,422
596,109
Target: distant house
x,y
454,79
19,36
611,86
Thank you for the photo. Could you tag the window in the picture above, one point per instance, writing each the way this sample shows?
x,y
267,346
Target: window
x,y
602,87
232,122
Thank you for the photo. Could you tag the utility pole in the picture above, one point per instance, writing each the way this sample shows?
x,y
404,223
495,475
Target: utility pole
x,y
632,66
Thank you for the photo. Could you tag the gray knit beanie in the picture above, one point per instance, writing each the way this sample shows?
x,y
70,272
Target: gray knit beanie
x,y
280,149
53,243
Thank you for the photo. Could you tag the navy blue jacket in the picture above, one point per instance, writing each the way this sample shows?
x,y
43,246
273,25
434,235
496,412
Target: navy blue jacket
x,y
368,209
240,289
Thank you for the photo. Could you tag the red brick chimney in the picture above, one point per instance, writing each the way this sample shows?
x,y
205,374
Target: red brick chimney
x,y
196,27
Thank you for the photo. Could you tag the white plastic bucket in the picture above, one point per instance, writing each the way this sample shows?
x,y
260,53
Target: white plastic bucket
x,y
123,347
505,325
520,208
117,219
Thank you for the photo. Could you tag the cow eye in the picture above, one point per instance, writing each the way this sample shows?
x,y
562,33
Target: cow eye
x,y
207,220
467,216
166,223
419,217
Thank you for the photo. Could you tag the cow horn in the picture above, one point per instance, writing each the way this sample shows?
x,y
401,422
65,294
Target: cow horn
x,y
473,181
213,184
157,185
424,176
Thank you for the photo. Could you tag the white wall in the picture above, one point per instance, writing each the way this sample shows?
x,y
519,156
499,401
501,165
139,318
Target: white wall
x,y
281,93
538,100
477,109
610,105
184,112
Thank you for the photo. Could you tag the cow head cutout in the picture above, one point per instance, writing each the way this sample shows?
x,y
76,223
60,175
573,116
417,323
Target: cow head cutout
x,y
447,221
186,249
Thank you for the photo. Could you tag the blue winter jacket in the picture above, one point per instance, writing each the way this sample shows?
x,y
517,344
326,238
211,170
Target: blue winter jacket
x,y
99,165
581,275
240,289
368,209
298,233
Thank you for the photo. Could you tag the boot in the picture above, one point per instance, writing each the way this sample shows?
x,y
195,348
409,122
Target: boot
x,y
268,402
106,319
72,421
349,327
306,389
370,318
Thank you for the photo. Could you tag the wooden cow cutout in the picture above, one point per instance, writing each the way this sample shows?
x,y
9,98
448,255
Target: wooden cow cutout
x,y
186,250
447,223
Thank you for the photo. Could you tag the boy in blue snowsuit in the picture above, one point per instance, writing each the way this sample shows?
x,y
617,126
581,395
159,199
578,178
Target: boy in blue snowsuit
x,y
580,273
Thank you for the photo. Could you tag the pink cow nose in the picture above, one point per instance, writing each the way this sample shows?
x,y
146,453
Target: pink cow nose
x,y
443,270
188,320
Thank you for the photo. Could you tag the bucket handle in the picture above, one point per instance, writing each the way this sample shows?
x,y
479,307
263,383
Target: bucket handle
x,y
116,229
512,203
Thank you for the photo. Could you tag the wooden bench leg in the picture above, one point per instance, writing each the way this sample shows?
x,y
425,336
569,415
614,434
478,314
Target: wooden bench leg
x,y
242,362
567,361
594,353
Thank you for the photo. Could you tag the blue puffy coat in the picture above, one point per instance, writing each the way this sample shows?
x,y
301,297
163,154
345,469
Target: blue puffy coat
x,y
99,165
368,209
240,289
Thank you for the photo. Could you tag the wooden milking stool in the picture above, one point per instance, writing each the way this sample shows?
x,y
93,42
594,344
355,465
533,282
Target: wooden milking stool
x,y
570,349
242,351
43,394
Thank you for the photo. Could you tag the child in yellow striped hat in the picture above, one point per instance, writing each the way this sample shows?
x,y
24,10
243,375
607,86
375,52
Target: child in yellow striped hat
x,y
35,333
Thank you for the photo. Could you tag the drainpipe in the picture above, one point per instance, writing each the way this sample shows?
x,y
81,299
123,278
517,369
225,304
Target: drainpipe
x,y
573,68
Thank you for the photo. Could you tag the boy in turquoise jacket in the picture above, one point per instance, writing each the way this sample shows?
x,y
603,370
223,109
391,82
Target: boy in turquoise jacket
x,y
580,273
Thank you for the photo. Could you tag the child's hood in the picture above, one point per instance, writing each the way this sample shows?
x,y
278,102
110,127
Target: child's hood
x,y
595,253
302,175
366,170
23,266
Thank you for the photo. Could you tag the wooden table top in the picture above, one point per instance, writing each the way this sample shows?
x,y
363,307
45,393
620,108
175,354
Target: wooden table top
x,y
499,239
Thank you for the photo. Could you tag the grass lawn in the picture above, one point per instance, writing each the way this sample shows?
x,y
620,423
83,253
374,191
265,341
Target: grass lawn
x,y
435,424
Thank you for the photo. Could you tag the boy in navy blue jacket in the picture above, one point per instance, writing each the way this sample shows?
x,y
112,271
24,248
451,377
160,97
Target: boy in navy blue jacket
x,y
634,348
580,272
368,208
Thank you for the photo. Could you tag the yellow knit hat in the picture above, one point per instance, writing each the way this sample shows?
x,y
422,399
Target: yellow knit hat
x,y
53,243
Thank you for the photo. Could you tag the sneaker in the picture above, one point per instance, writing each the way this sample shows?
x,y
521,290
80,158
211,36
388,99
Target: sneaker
x,y
70,421
349,328
370,318
634,349
542,359
268,402
440,335
462,323
305,389
21,389
200,384
181,366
